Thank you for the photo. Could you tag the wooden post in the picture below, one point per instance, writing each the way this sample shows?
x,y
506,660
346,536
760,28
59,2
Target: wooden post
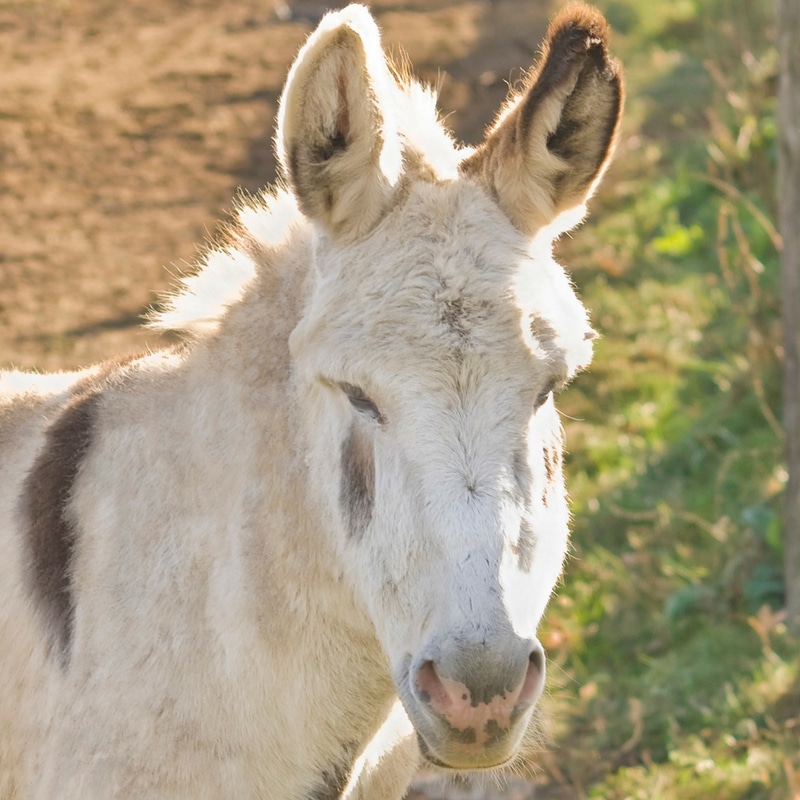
x,y
789,221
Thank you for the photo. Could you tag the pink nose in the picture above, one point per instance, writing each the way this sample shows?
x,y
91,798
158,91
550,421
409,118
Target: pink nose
x,y
480,710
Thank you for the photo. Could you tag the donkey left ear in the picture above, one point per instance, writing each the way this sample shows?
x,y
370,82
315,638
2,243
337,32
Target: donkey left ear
x,y
336,139
551,144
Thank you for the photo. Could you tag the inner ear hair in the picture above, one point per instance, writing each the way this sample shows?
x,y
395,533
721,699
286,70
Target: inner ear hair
x,y
552,142
335,137
576,55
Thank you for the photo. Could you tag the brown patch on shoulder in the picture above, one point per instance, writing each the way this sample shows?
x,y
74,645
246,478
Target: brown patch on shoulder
x,y
357,490
51,528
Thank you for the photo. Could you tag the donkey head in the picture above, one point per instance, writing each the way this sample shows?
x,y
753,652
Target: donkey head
x,y
435,331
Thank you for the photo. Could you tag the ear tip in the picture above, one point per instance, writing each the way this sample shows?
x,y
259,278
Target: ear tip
x,y
355,16
581,29
581,15
582,26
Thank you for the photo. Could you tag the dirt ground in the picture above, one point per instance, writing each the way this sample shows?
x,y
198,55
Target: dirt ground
x,y
127,128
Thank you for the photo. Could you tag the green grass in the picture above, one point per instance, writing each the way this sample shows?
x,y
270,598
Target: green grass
x,y
677,676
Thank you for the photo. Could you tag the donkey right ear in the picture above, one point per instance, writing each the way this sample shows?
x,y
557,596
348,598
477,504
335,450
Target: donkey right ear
x,y
552,143
336,139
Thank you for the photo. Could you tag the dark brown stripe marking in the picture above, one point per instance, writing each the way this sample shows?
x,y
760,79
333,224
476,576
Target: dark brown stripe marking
x,y
52,531
525,546
552,454
357,490
552,461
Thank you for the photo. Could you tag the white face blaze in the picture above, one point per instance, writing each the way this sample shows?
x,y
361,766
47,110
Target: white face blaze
x,y
436,328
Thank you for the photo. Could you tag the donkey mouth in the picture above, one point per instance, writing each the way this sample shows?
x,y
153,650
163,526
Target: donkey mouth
x,y
480,744
460,761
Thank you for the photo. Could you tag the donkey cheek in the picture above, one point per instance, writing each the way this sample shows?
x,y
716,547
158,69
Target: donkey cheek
x,y
357,489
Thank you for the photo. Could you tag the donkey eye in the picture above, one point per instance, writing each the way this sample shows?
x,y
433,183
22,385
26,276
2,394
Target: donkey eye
x,y
544,394
360,402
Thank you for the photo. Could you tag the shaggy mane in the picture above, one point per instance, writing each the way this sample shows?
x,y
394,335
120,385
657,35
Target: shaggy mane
x,y
263,223
197,304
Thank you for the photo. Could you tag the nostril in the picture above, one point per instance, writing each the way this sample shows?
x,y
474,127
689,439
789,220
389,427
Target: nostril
x,y
536,659
534,679
431,688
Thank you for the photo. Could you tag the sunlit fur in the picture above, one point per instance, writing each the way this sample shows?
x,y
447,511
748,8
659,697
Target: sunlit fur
x,y
232,628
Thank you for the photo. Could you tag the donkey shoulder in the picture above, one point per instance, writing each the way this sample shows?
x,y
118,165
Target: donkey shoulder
x,y
46,428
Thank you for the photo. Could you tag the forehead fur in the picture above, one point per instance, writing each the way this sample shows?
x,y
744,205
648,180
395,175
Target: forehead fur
x,y
447,271
445,266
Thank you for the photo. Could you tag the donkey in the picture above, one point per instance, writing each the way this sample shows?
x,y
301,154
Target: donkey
x,y
307,550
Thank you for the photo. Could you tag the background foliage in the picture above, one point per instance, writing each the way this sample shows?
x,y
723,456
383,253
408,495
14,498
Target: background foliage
x,y
675,661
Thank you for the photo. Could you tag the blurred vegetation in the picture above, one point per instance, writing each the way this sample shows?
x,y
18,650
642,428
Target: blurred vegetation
x,y
675,676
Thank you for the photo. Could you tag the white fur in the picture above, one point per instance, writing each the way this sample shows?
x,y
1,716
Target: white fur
x,y
232,636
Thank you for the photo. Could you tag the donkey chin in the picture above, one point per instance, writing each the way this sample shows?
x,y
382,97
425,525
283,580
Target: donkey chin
x,y
471,704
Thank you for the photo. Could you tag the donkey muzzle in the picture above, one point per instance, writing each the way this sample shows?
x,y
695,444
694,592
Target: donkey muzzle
x,y
472,702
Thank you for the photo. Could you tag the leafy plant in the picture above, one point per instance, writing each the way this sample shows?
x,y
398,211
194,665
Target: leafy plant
x,y
671,649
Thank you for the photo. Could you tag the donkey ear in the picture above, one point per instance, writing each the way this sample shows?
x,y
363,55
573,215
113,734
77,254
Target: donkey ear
x,y
551,144
336,139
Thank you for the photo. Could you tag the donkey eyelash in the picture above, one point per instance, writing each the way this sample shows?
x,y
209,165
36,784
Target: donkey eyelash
x,y
361,402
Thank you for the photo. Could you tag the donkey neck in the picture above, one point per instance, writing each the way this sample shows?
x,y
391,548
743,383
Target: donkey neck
x,y
303,621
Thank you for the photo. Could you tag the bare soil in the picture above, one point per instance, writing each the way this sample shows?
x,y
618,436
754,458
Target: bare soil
x,y
127,129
